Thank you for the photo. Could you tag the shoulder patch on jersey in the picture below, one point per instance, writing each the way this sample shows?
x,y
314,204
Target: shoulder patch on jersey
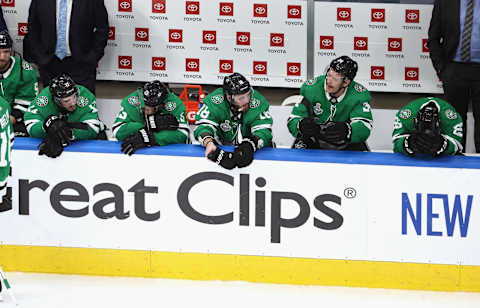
x,y
170,106
217,99
254,103
82,101
405,114
26,66
311,82
134,100
317,109
225,126
360,88
450,114
42,101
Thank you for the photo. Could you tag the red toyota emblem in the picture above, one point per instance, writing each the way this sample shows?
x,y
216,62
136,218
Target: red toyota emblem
x,y
159,6
360,43
294,68
22,28
378,15
141,34
9,3
344,14
260,67
260,10
125,62
294,11
411,73
175,35
394,44
192,65
326,42
192,7
226,9
125,5
412,16
377,72
243,38
425,45
225,66
209,37
159,63
111,33
277,39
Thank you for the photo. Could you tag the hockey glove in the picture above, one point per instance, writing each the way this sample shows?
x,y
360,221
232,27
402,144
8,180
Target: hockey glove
x,y
243,153
337,133
308,127
158,122
50,147
6,204
138,140
418,143
58,128
222,158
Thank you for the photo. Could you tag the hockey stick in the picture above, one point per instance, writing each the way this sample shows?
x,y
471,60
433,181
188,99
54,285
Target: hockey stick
x,y
7,285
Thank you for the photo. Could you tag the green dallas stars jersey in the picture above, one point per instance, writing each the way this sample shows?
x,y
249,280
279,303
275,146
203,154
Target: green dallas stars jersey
x,y
451,126
131,118
6,142
215,119
85,112
352,107
19,85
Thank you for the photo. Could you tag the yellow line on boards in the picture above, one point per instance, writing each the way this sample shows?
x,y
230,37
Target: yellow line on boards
x,y
199,266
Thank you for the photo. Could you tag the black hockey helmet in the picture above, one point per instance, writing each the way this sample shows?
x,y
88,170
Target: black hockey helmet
x,y
427,119
155,93
62,86
5,40
346,66
235,84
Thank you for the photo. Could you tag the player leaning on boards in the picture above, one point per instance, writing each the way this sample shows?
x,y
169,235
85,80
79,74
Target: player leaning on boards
x,y
235,114
152,115
335,111
62,113
18,83
427,126
6,142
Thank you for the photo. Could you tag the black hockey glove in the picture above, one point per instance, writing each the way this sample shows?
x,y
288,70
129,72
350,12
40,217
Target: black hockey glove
x,y
58,128
223,158
158,122
418,143
243,153
50,146
6,204
138,140
337,133
308,127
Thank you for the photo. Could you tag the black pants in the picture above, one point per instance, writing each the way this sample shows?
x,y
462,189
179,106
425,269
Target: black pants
x,y
461,83
83,74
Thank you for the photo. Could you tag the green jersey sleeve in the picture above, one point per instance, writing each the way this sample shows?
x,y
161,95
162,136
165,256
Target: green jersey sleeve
x,y
38,110
86,113
361,121
27,89
206,121
6,142
129,119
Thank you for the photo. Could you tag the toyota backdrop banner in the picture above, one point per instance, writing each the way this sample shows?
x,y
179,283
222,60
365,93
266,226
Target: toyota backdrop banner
x,y
291,208
387,40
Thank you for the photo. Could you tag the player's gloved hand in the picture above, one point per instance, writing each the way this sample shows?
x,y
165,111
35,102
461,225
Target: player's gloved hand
x,y
58,128
337,133
418,143
158,122
308,127
138,140
6,204
243,153
222,158
50,146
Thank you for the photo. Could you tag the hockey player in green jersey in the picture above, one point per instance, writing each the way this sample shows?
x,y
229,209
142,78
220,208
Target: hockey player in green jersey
x,y
18,83
62,113
334,112
6,142
152,115
427,126
234,115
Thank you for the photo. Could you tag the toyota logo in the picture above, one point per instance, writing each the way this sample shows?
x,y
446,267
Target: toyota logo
x,y
425,45
327,42
192,65
411,74
226,66
124,5
23,29
226,9
260,10
7,1
360,43
142,34
243,38
175,35
377,15
158,6
294,12
277,40
192,8
293,69
377,73
110,33
395,44
343,14
125,62
209,37
158,63
412,16
260,67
